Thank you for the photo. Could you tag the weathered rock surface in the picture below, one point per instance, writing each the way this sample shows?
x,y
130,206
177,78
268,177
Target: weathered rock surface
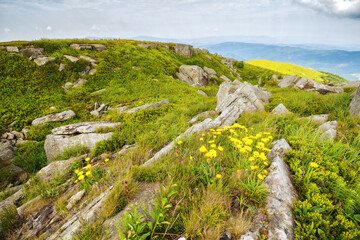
x,y
211,72
202,93
98,47
354,106
71,58
354,84
43,60
6,151
280,110
184,50
75,198
12,49
89,59
61,67
193,75
146,106
329,130
76,84
58,117
32,52
153,46
11,200
308,84
125,149
83,127
319,119
225,78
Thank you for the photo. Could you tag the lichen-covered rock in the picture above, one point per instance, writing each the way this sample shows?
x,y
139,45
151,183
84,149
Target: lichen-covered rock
x,y
193,75
83,127
71,58
203,115
12,49
353,84
280,110
99,47
81,46
78,83
146,106
211,72
6,151
319,119
308,84
329,130
202,93
354,106
225,78
32,52
58,117
75,198
89,59
184,50
43,60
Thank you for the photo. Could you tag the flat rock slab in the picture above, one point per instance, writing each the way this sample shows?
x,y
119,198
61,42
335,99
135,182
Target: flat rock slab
x,y
6,151
44,60
58,117
319,119
71,58
83,127
354,106
12,49
146,106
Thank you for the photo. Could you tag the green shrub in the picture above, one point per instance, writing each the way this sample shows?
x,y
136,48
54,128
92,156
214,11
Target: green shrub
x,y
30,156
9,220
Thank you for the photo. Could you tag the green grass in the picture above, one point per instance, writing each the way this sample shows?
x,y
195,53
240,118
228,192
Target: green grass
x,y
291,69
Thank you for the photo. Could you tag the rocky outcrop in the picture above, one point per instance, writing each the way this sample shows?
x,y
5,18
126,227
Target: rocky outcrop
x,y
225,78
280,110
83,134
146,106
61,67
32,53
354,106
308,84
211,72
353,84
329,130
10,201
43,60
98,47
184,50
12,49
71,58
153,46
58,117
202,93
193,75
319,119
6,151
89,59
98,109
76,84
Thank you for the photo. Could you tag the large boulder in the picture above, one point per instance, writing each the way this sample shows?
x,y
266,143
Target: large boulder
x,y
354,107
184,50
84,134
193,75
32,52
43,60
280,110
98,47
308,84
12,49
58,117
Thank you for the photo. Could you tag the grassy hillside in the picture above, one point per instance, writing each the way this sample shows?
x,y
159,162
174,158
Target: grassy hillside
x,y
291,69
212,182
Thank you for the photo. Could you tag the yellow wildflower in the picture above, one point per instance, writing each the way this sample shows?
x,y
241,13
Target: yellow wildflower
x,y
80,173
314,165
218,176
260,176
191,158
88,166
212,141
238,171
203,135
265,172
81,177
203,149
213,145
254,168
248,149
251,159
87,159
106,160
88,173
77,171
262,156
76,181
179,142
266,164
211,154
256,154
201,139
220,148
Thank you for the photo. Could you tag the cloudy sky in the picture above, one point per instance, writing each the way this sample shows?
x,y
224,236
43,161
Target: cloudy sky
x,y
335,22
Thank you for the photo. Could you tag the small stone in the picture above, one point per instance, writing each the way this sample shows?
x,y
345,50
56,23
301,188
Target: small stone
x,y
92,71
95,113
280,110
71,58
61,67
44,60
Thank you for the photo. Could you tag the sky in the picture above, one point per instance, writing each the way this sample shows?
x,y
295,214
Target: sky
x,y
333,22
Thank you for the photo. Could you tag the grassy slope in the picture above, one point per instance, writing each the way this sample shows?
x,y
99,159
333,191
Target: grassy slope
x,y
201,207
291,69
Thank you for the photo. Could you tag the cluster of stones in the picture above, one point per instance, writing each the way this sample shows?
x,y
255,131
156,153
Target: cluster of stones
x,y
36,54
98,109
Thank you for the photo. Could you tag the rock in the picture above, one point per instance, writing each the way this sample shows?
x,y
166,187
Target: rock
x,y
354,107
75,198
99,91
275,78
192,74
6,151
281,196
82,46
150,105
226,79
43,60
211,72
89,214
95,113
184,50
329,130
99,47
353,84
228,62
11,200
23,209
58,117
148,45
307,84
92,71
280,110
201,115
102,107
85,72
26,132
146,196
125,149
61,67
76,84
32,52
236,81
89,59
10,136
12,49
202,93
71,58
319,119
83,127
17,134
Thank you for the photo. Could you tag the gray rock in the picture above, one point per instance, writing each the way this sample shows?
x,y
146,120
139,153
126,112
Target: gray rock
x,y
92,71
71,58
202,93
32,52
184,50
236,81
57,144
11,200
354,84
83,127
226,79
319,119
76,84
85,72
61,67
6,151
89,59
193,74
205,50
12,49
44,60
275,77
354,106
99,91
23,209
17,134
10,136
95,113
148,45
75,198
26,131
329,130
102,107
82,46
308,84
146,106
211,72
228,62
125,149
58,117
280,110
99,47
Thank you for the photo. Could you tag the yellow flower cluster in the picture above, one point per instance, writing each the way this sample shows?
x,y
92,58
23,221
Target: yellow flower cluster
x,y
82,174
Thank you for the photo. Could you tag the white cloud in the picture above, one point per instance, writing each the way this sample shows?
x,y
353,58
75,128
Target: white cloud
x,y
94,27
48,28
7,30
341,8
356,75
